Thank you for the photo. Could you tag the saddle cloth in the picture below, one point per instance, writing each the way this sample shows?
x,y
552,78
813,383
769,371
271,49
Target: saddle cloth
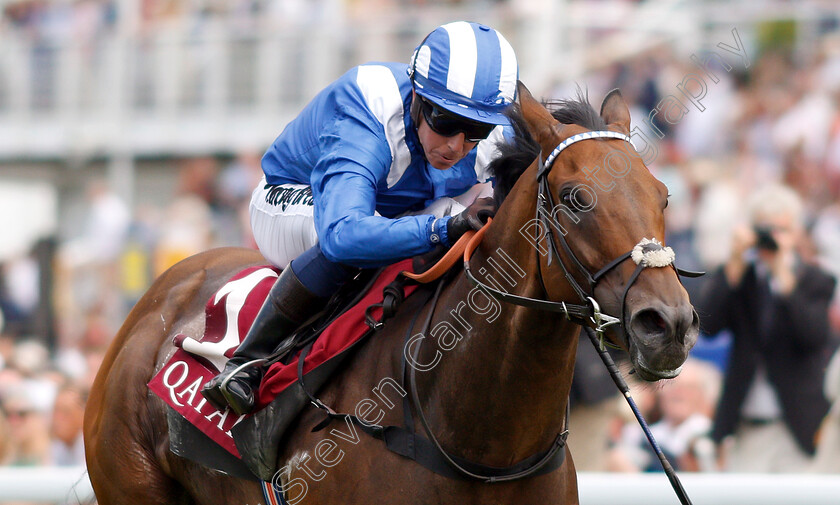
x,y
228,315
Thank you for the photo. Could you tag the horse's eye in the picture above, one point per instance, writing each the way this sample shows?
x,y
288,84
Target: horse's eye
x,y
667,199
574,200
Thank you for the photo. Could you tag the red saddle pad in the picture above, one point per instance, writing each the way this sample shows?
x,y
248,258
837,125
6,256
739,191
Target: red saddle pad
x,y
228,314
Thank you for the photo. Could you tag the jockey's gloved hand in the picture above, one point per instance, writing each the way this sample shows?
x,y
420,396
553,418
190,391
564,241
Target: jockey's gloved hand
x,y
472,218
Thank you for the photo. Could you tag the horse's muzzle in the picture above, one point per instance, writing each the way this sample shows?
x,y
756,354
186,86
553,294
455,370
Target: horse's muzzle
x,y
660,337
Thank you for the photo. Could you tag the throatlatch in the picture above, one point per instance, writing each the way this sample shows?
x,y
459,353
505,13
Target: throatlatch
x,y
648,253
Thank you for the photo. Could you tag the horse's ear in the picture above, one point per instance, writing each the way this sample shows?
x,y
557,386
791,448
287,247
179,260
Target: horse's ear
x,y
537,117
615,113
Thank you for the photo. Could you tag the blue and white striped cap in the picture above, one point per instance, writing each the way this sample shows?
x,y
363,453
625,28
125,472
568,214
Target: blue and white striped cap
x,y
468,69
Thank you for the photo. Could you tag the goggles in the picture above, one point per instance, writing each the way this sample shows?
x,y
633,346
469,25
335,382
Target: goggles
x,y
445,123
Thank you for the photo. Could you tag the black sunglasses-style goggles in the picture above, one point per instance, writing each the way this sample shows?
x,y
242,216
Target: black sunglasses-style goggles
x,y
448,124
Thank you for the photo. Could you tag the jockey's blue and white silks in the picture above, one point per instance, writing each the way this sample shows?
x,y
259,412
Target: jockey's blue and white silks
x,y
467,68
356,145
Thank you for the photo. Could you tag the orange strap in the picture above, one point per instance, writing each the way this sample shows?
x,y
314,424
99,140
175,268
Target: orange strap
x,y
475,240
464,246
443,264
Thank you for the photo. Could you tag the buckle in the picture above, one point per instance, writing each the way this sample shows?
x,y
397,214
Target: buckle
x,y
323,406
600,320
370,321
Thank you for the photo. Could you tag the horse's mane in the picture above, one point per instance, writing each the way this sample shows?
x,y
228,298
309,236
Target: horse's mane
x,y
517,154
577,111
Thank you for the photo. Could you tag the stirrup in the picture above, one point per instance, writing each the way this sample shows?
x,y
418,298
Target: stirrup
x,y
223,386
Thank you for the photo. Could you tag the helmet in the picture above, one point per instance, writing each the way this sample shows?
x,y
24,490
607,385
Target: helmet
x,y
468,69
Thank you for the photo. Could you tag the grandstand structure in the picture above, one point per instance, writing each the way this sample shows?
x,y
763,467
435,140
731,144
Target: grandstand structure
x,y
117,91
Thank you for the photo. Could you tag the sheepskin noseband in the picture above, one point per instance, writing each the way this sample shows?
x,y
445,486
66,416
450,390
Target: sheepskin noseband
x,y
651,253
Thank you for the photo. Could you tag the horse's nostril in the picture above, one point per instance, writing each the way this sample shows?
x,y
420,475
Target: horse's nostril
x,y
687,324
659,321
649,323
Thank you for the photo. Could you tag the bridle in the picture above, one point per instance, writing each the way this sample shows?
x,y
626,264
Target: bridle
x,y
430,453
648,253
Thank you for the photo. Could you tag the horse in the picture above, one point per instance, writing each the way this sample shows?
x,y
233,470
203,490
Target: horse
x,y
492,384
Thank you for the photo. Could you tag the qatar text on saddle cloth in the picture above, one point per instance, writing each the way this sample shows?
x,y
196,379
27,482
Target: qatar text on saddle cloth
x,y
228,315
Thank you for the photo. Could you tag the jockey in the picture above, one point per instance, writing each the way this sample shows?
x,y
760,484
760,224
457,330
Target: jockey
x,y
364,177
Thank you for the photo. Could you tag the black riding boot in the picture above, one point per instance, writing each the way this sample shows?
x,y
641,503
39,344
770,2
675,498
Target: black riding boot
x,y
289,303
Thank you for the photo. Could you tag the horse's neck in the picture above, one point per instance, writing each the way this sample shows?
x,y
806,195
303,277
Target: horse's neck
x,y
501,391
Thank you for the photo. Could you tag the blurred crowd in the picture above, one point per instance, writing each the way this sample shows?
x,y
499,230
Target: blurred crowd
x,y
82,20
97,277
775,122
765,150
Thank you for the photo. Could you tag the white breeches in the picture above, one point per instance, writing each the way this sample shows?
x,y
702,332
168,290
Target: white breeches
x,y
282,217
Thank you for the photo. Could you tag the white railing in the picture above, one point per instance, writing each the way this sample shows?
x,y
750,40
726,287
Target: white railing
x,y
45,485
54,485
709,489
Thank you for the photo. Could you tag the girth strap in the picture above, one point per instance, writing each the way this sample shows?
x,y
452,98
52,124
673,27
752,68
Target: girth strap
x,y
418,448
405,442
533,465
421,450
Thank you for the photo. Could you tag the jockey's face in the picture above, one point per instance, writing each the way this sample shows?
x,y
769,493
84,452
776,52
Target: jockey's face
x,y
442,152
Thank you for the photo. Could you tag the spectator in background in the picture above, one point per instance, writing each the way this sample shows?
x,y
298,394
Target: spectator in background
x,y
67,446
31,360
682,410
19,293
776,306
235,185
186,230
629,451
86,279
107,224
826,236
187,224
687,406
28,432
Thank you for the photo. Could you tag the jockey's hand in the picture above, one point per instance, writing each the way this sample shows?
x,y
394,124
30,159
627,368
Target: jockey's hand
x,y
471,218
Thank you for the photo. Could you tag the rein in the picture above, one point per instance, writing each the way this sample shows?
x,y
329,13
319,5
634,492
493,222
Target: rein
x,y
534,465
648,253
403,440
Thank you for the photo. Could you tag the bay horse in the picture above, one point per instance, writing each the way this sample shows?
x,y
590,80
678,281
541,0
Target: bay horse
x,y
497,393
